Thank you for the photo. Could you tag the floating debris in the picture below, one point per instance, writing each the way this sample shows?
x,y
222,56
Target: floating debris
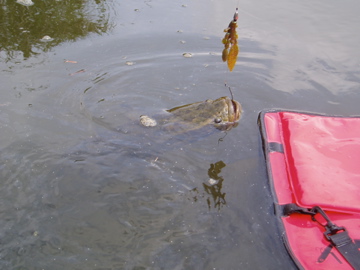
x,y
182,41
147,121
70,61
129,63
231,49
25,2
187,55
46,39
76,72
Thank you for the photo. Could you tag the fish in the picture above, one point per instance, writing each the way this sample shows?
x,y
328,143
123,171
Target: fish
x,y
222,113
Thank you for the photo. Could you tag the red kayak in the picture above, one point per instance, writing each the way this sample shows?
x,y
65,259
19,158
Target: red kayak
x,y
313,163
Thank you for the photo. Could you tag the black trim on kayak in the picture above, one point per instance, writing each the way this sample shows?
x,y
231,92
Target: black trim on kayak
x,y
276,147
277,207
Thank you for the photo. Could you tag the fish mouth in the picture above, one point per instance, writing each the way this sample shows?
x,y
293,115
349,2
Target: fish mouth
x,y
234,110
234,113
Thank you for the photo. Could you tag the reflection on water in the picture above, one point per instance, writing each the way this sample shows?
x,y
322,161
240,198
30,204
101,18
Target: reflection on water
x,y
23,27
213,188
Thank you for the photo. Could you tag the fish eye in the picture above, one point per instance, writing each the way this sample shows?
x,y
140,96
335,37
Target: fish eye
x,y
217,120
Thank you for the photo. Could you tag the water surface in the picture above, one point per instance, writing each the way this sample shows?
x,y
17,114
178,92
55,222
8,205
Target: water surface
x,y
83,186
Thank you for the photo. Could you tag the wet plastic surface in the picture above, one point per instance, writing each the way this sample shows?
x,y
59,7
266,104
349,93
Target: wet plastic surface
x,y
318,167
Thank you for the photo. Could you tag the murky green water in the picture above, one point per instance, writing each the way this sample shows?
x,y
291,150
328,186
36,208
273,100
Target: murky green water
x,y
83,186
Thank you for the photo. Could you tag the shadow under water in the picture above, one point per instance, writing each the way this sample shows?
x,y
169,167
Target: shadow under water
x,y
30,30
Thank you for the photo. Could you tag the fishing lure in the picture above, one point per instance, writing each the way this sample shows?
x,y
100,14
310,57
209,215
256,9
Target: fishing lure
x,y
231,48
